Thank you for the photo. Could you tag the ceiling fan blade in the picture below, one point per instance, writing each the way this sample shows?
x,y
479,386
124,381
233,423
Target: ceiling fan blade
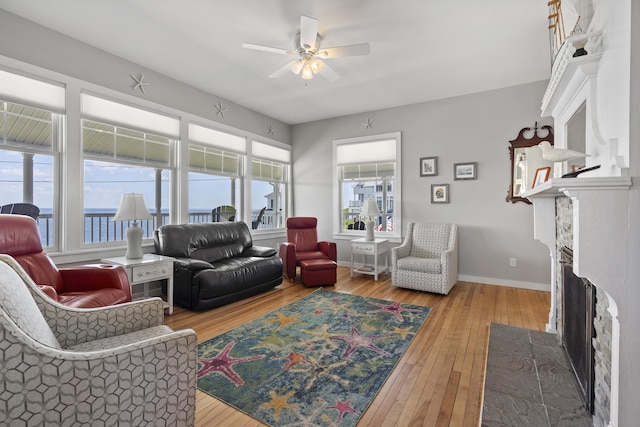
x,y
269,49
349,50
308,32
283,70
328,73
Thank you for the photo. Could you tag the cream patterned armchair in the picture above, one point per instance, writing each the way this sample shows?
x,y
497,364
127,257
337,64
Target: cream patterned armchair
x,y
427,259
104,366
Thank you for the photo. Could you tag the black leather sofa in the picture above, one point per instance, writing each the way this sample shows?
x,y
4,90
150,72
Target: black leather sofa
x,y
216,263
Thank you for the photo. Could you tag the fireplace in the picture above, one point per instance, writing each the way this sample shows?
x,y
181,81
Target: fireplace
x,y
578,311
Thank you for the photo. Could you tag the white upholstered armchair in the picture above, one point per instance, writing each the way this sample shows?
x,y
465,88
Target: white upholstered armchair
x,y
116,365
427,259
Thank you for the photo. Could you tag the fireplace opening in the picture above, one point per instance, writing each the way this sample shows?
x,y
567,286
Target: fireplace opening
x,y
578,310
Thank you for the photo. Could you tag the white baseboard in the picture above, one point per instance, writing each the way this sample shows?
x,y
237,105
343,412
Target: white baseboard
x,y
503,282
490,281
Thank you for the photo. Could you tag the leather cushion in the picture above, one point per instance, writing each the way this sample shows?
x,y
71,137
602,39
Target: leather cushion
x,y
236,274
301,256
93,299
318,264
205,241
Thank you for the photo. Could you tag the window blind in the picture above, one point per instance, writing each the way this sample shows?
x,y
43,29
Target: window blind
x,y
216,138
27,91
115,113
270,152
366,152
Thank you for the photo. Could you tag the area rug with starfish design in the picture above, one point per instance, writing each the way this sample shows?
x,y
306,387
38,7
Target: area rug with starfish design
x,y
320,360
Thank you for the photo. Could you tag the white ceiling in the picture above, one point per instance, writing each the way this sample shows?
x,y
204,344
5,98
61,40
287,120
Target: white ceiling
x,y
421,50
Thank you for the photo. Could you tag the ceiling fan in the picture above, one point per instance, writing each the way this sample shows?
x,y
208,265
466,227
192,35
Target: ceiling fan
x,y
310,56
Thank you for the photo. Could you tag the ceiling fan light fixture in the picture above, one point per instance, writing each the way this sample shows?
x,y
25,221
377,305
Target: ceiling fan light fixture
x,y
296,67
307,72
316,66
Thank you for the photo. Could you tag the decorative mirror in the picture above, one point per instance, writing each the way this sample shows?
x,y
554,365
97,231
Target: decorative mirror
x,y
525,160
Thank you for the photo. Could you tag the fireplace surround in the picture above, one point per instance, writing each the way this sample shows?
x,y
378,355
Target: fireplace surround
x,y
578,308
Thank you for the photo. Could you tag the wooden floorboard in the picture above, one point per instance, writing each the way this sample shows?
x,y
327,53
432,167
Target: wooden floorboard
x,y
439,380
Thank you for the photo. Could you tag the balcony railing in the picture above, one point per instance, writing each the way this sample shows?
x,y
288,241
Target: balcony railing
x,y
99,227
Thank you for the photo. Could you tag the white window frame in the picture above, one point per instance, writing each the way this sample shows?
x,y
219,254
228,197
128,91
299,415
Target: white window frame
x,y
130,117
17,88
208,137
278,153
353,148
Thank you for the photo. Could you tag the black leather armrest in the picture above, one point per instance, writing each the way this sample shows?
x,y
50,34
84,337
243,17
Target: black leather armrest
x,y
191,264
261,251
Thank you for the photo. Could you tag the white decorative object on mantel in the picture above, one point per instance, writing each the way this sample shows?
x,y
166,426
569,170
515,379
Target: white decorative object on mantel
x,y
368,124
271,130
140,83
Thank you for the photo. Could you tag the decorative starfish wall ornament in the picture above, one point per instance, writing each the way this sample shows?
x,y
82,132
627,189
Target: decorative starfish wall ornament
x,y
271,130
220,109
140,83
368,124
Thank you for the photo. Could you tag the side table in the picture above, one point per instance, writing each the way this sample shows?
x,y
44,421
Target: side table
x,y
376,248
143,270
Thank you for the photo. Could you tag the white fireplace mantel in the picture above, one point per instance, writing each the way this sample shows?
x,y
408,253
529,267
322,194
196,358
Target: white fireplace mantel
x,y
599,217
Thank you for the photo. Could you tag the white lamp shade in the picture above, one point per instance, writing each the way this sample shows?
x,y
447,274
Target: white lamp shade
x,y
370,208
132,207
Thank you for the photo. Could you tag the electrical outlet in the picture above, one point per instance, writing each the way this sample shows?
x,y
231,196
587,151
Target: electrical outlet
x,y
512,262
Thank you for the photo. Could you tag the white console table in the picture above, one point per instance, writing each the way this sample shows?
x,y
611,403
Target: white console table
x,y
377,248
143,270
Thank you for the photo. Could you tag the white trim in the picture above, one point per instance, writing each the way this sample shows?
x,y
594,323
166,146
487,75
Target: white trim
x,y
505,282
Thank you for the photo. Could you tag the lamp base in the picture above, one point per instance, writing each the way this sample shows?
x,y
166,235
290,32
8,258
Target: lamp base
x,y
134,242
369,224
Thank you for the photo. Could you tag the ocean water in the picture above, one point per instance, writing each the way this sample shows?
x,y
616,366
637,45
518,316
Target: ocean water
x,y
99,226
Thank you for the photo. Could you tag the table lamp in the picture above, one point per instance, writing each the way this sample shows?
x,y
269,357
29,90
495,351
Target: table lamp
x,y
132,207
369,210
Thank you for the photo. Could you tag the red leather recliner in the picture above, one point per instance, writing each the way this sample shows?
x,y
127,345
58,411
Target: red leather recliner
x,y
303,244
86,286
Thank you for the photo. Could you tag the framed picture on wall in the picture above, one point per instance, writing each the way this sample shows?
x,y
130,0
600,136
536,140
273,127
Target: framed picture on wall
x,y
428,166
542,175
440,193
465,170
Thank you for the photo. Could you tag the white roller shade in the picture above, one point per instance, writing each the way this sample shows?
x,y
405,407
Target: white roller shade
x,y
27,91
216,138
269,152
114,113
366,152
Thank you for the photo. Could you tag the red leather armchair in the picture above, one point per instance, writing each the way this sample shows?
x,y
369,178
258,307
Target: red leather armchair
x,y
85,286
303,244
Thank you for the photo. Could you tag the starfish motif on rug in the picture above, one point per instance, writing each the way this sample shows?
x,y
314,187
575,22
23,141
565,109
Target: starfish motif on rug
x,y
343,408
223,363
355,341
285,320
396,309
312,369
278,403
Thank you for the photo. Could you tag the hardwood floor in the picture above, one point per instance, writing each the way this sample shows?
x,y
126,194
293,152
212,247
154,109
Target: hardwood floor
x,y
439,380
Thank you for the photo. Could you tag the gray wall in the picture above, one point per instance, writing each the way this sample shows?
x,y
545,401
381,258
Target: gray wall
x,y
471,128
